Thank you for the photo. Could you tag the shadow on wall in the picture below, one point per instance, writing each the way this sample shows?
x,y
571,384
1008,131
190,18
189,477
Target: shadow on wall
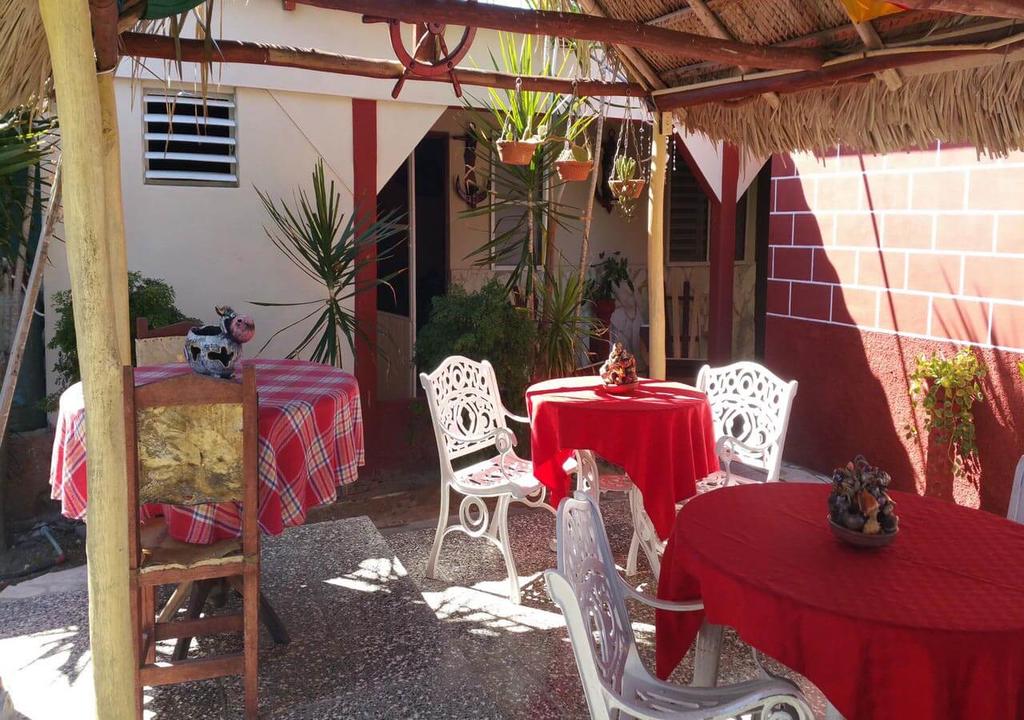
x,y
854,381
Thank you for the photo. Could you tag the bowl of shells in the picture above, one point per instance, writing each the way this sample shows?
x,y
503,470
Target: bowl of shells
x,y
860,511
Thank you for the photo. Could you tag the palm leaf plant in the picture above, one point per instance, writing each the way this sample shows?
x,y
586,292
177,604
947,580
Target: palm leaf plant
x,y
329,248
563,332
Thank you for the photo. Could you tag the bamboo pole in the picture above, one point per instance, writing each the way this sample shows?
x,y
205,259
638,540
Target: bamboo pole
x,y
28,307
656,248
160,47
113,205
69,36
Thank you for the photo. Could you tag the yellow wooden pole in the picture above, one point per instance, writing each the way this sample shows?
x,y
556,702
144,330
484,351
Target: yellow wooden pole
x,y
69,36
113,205
656,247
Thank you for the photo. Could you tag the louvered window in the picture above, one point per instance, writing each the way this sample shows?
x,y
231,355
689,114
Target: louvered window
x,y
190,140
687,216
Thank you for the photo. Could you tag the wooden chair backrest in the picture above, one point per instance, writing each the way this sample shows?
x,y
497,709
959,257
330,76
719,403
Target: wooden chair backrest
x,y
192,439
156,346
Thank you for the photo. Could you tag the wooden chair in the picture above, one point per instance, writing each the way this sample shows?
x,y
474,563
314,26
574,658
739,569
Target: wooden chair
x,y
191,440
156,346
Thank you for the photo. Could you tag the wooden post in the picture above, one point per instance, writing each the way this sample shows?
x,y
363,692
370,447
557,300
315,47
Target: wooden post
x,y
69,36
722,260
656,245
364,160
113,205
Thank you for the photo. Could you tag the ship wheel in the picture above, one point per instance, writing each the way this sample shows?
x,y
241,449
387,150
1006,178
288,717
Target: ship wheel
x,y
431,56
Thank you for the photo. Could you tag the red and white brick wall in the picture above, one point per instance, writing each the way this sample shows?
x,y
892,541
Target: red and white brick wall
x,y
874,261
927,244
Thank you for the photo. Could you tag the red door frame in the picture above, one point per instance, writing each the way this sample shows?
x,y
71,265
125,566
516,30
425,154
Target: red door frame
x,y
364,192
722,259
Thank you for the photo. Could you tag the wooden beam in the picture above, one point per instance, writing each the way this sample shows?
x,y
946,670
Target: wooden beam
x,y
656,246
633,58
582,27
160,47
104,32
993,8
69,37
722,260
716,27
837,71
869,36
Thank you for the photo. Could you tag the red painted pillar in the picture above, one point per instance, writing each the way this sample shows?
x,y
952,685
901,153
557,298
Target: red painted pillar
x,y
364,160
722,260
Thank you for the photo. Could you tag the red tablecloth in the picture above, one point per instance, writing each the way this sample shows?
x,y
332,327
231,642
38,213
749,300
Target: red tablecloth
x,y
930,627
662,435
311,441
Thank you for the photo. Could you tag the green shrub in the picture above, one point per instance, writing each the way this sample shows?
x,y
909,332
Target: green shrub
x,y
481,325
147,297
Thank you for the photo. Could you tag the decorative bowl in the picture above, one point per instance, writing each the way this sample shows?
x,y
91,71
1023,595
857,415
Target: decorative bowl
x,y
626,389
859,539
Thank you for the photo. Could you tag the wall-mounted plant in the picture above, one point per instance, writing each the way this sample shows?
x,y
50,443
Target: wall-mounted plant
x,y
947,389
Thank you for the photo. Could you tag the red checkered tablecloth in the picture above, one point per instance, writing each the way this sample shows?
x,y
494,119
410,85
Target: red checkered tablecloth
x,y
311,442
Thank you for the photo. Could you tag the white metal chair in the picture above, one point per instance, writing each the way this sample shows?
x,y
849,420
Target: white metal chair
x,y
750,408
469,417
1016,510
591,594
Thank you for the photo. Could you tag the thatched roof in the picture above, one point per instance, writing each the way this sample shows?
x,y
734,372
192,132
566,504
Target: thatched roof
x,y
959,77
975,100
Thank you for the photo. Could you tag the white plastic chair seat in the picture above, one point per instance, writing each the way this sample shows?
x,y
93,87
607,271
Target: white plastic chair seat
x,y
497,477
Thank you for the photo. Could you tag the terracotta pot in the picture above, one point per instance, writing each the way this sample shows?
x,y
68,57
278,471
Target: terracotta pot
x,y
573,170
516,152
629,189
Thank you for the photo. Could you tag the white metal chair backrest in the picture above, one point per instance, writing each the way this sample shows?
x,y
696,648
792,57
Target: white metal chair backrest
x,y
1016,509
597,619
588,476
751,404
464,405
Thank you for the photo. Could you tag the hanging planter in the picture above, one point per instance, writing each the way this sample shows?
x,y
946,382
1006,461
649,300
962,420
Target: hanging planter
x,y
625,184
574,164
632,158
517,152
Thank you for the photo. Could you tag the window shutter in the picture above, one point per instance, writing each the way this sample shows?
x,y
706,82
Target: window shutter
x,y
189,140
687,216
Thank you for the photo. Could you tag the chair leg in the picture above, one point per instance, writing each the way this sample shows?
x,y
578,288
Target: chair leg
x,y
174,603
251,630
195,607
149,620
634,551
708,652
442,524
501,513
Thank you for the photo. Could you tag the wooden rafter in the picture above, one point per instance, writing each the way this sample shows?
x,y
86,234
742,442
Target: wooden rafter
x,y
869,36
582,27
161,47
836,71
991,8
634,59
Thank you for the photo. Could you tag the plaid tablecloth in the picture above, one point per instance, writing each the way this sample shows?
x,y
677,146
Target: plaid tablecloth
x,y
311,442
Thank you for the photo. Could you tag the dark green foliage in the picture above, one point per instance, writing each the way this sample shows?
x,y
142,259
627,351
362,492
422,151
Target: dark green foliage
x,y
150,298
482,325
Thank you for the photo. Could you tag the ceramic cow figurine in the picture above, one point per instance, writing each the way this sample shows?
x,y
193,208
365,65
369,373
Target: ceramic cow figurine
x,y
216,349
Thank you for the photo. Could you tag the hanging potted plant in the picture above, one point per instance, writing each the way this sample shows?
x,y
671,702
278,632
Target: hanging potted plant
x,y
625,184
574,163
518,150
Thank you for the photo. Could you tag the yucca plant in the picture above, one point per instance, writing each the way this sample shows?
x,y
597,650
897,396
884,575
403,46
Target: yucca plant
x,y
563,333
327,247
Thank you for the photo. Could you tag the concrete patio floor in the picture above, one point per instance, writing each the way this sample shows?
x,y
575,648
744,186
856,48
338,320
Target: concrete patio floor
x,y
370,636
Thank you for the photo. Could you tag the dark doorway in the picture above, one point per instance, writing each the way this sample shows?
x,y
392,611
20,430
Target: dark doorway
x,y
431,163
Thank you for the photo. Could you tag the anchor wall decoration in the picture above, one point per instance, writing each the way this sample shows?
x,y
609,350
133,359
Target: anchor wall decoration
x,y
466,185
431,56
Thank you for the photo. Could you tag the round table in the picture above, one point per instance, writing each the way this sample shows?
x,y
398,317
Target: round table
x,y
931,626
662,434
310,442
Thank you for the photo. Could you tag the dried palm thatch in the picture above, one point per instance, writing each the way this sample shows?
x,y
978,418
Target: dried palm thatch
x,y
24,56
982,106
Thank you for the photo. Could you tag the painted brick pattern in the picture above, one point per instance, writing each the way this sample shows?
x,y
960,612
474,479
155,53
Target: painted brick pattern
x,y
926,244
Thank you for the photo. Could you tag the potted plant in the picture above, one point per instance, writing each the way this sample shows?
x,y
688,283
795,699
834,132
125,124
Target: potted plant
x,y
609,272
516,149
624,183
574,163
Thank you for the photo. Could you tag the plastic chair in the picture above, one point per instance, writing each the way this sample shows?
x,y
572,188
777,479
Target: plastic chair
x,y
469,417
591,594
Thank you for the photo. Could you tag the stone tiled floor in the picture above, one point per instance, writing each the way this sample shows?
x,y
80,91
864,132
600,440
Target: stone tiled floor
x,y
371,637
